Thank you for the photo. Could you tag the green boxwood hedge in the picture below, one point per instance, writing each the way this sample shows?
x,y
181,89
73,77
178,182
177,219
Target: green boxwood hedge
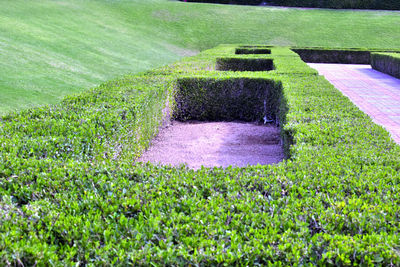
x,y
244,50
235,2
71,194
244,64
337,4
231,99
388,63
341,4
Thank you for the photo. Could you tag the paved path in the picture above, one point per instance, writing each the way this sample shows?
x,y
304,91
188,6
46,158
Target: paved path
x,y
375,93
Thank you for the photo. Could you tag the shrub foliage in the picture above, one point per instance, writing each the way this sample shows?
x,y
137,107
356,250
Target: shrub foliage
x,y
337,4
388,63
71,194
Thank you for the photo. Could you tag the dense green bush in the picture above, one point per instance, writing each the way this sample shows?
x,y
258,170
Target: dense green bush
x,y
356,4
255,50
244,64
317,55
338,4
227,99
71,194
235,2
388,63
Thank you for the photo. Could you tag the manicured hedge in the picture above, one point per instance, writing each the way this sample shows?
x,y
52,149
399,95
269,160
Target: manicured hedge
x,y
337,4
318,55
388,63
244,64
235,2
231,99
243,50
341,4
71,194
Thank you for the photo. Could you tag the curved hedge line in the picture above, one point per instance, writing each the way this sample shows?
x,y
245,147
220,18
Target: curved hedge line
x,y
70,193
337,4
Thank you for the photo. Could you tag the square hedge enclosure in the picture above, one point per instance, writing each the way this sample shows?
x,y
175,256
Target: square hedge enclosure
x,y
335,201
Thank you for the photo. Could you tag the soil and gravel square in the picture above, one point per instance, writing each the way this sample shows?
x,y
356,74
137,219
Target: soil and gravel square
x,y
215,144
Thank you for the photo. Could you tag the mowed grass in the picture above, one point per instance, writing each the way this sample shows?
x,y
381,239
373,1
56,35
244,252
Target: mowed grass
x,y
49,49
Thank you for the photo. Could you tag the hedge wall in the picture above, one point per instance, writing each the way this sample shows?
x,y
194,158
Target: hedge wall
x,y
388,63
71,194
337,4
227,100
235,2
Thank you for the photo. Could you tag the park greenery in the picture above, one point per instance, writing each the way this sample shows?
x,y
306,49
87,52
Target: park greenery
x,y
72,194
51,49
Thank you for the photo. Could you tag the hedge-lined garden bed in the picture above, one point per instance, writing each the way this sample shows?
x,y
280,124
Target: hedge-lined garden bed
x,y
71,194
388,63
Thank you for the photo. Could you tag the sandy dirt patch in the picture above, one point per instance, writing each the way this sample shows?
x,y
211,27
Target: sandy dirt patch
x,y
215,144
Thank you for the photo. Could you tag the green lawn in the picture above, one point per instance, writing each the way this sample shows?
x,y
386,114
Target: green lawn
x,y
49,49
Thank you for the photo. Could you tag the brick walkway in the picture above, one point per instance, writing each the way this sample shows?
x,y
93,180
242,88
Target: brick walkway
x,y
375,93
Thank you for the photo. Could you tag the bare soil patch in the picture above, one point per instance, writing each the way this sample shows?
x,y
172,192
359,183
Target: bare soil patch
x,y
215,144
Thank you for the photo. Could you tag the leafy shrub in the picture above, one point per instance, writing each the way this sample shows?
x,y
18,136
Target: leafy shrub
x,y
338,4
388,63
236,2
257,50
71,194
228,99
315,55
244,64
355,4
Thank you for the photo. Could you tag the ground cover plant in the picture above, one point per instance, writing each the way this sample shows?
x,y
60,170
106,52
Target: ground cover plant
x,y
388,63
71,193
50,49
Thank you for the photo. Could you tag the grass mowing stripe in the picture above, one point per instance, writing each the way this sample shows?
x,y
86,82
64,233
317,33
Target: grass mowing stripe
x,y
55,48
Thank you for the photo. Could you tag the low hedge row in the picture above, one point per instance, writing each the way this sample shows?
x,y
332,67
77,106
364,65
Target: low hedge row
x,y
234,2
244,64
341,4
315,55
337,4
71,194
388,63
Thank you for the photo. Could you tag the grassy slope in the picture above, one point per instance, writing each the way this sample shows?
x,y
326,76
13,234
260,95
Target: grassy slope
x,y
49,49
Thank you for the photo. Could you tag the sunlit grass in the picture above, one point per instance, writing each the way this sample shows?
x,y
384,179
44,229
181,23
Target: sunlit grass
x,y
49,49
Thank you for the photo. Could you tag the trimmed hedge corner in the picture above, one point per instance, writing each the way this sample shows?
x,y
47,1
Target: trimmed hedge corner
x,y
388,63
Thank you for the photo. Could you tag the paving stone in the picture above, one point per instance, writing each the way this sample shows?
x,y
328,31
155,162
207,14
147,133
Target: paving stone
x,y
375,93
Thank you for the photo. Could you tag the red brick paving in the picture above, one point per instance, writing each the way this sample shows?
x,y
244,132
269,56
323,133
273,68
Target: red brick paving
x,y
375,93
